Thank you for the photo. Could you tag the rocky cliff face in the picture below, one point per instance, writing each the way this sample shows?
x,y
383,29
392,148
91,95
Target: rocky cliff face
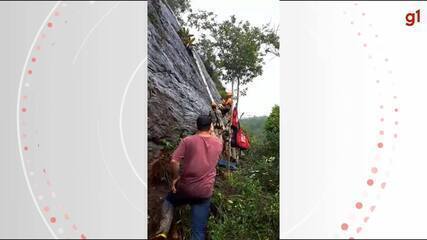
x,y
176,91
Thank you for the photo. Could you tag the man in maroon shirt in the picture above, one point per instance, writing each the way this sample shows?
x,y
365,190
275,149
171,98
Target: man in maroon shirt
x,y
197,157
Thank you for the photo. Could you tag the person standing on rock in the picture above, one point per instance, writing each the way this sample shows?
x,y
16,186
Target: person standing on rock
x,y
227,103
197,157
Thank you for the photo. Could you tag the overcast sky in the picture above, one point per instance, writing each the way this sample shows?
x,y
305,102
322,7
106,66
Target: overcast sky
x,y
263,92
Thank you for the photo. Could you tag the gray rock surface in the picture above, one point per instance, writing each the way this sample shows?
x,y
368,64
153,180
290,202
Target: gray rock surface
x,y
176,92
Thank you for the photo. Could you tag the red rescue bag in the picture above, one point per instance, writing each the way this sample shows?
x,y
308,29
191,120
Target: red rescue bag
x,y
235,119
243,141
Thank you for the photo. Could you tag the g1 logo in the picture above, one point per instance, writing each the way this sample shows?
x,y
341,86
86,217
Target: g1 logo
x,y
412,18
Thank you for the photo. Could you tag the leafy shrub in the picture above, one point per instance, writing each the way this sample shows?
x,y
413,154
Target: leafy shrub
x,y
248,200
186,38
250,213
272,131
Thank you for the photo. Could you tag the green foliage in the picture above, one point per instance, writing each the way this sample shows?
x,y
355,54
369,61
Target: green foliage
x,y
248,213
248,200
265,135
234,49
167,145
272,131
179,7
254,126
186,38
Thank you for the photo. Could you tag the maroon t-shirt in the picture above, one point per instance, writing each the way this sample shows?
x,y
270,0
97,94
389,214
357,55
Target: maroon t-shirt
x,y
199,157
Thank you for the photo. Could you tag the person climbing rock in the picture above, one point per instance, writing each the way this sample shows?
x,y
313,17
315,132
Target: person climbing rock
x,y
217,119
197,156
223,110
226,104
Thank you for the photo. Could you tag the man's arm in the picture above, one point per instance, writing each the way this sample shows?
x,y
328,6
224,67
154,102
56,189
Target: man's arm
x,y
177,156
175,169
175,174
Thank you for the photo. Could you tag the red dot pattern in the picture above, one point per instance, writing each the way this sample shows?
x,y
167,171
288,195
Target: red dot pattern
x,y
344,226
30,70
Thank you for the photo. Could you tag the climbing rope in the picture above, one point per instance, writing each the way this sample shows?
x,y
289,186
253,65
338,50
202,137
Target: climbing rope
x,y
198,63
226,128
197,58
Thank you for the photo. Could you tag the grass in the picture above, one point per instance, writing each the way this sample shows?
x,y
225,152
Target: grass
x,y
250,210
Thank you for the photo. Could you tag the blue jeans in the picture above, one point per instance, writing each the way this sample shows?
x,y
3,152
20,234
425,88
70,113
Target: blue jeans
x,y
200,208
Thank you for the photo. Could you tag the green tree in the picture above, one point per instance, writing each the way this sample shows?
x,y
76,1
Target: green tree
x,y
272,131
234,49
254,126
179,7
